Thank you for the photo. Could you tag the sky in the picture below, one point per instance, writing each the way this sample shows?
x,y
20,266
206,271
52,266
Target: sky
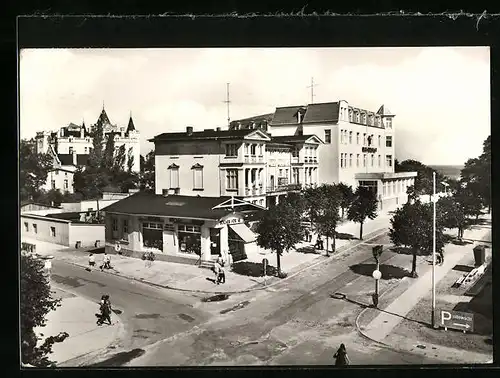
x,y
440,95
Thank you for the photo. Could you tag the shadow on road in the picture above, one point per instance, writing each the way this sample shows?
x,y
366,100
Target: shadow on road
x,y
388,271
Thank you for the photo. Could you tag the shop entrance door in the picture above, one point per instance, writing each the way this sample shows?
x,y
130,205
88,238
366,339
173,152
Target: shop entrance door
x,y
152,235
236,246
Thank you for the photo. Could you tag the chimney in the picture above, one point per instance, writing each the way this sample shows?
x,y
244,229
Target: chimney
x,y
74,157
189,130
218,129
299,116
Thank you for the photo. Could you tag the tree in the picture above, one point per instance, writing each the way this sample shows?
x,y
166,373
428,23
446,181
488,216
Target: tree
x,y
33,170
36,302
327,217
469,199
424,180
109,152
130,159
312,203
346,196
453,214
279,230
147,175
119,159
364,205
412,226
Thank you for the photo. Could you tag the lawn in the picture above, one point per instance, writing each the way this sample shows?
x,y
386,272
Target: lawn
x,y
452,299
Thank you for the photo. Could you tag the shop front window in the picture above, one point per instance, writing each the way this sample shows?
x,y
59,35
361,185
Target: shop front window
x,y
189,239
152,235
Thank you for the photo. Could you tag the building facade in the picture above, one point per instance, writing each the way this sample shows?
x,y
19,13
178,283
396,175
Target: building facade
x,y
183,229
248,164
72,144
358,145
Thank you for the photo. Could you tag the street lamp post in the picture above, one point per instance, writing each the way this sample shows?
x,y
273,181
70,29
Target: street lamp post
x,y
433,315
377,251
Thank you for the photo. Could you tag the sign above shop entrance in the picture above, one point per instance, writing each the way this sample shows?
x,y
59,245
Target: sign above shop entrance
x,y
233,218
369,149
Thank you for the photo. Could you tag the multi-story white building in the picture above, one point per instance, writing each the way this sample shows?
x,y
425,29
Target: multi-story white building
x,y
73,143
358,148
247,164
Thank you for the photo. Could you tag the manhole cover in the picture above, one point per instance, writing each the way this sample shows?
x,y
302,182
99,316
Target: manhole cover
x,y
421,346
216,298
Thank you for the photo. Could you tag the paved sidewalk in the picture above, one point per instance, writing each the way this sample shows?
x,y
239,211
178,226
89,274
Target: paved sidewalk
x,y
380,328
76,316
192,278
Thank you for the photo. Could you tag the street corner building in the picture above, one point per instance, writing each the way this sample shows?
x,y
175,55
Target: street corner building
x,y
356,147
182,229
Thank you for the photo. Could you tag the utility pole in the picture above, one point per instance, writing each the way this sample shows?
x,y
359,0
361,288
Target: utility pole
x,y
433,317
227,102
312,89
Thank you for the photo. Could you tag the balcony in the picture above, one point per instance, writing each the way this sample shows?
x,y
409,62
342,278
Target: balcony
x,y
254,159
310,160
283,188
254,191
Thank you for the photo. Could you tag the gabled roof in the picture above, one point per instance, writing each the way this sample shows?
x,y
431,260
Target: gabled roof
x,y
257,134
326,112
206,134
297,139
384,110
175,206
285,115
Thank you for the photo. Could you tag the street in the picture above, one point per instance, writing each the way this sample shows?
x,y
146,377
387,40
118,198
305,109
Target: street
x,y
149,314
295,322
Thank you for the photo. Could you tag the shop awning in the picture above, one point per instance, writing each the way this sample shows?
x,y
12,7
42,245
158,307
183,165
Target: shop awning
x,y
243,232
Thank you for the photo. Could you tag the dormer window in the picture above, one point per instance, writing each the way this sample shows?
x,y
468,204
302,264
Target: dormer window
x,y
350,115
357,117
364,118
388,123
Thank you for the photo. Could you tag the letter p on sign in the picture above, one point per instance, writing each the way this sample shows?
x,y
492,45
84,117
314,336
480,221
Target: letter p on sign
x,y
445,315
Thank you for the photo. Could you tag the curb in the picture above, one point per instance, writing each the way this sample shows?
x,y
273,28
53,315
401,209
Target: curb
x,y
366,336
315,263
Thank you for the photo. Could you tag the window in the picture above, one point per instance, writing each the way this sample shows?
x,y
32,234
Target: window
x,y
114,224
189,239
357,160
56,173
379,140
350,137
65,184
357,117
295,173
388,141
379,162
350,115
246,149
261,202
364,139
71,150
53,184
253,149
26,227
90,209
90,150
364,160
328,136
388,123
35,228
86,149
232,179
281,173
125,229
357,138
197,176
364,118
369,139
295,152
231,150
53,232
341,160
65,174
388,160
174,176
373,160
350,160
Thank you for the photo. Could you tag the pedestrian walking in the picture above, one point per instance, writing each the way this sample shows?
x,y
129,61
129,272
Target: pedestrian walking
x,y
105,309
221,277
341,357
216,270
91,261
106,262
